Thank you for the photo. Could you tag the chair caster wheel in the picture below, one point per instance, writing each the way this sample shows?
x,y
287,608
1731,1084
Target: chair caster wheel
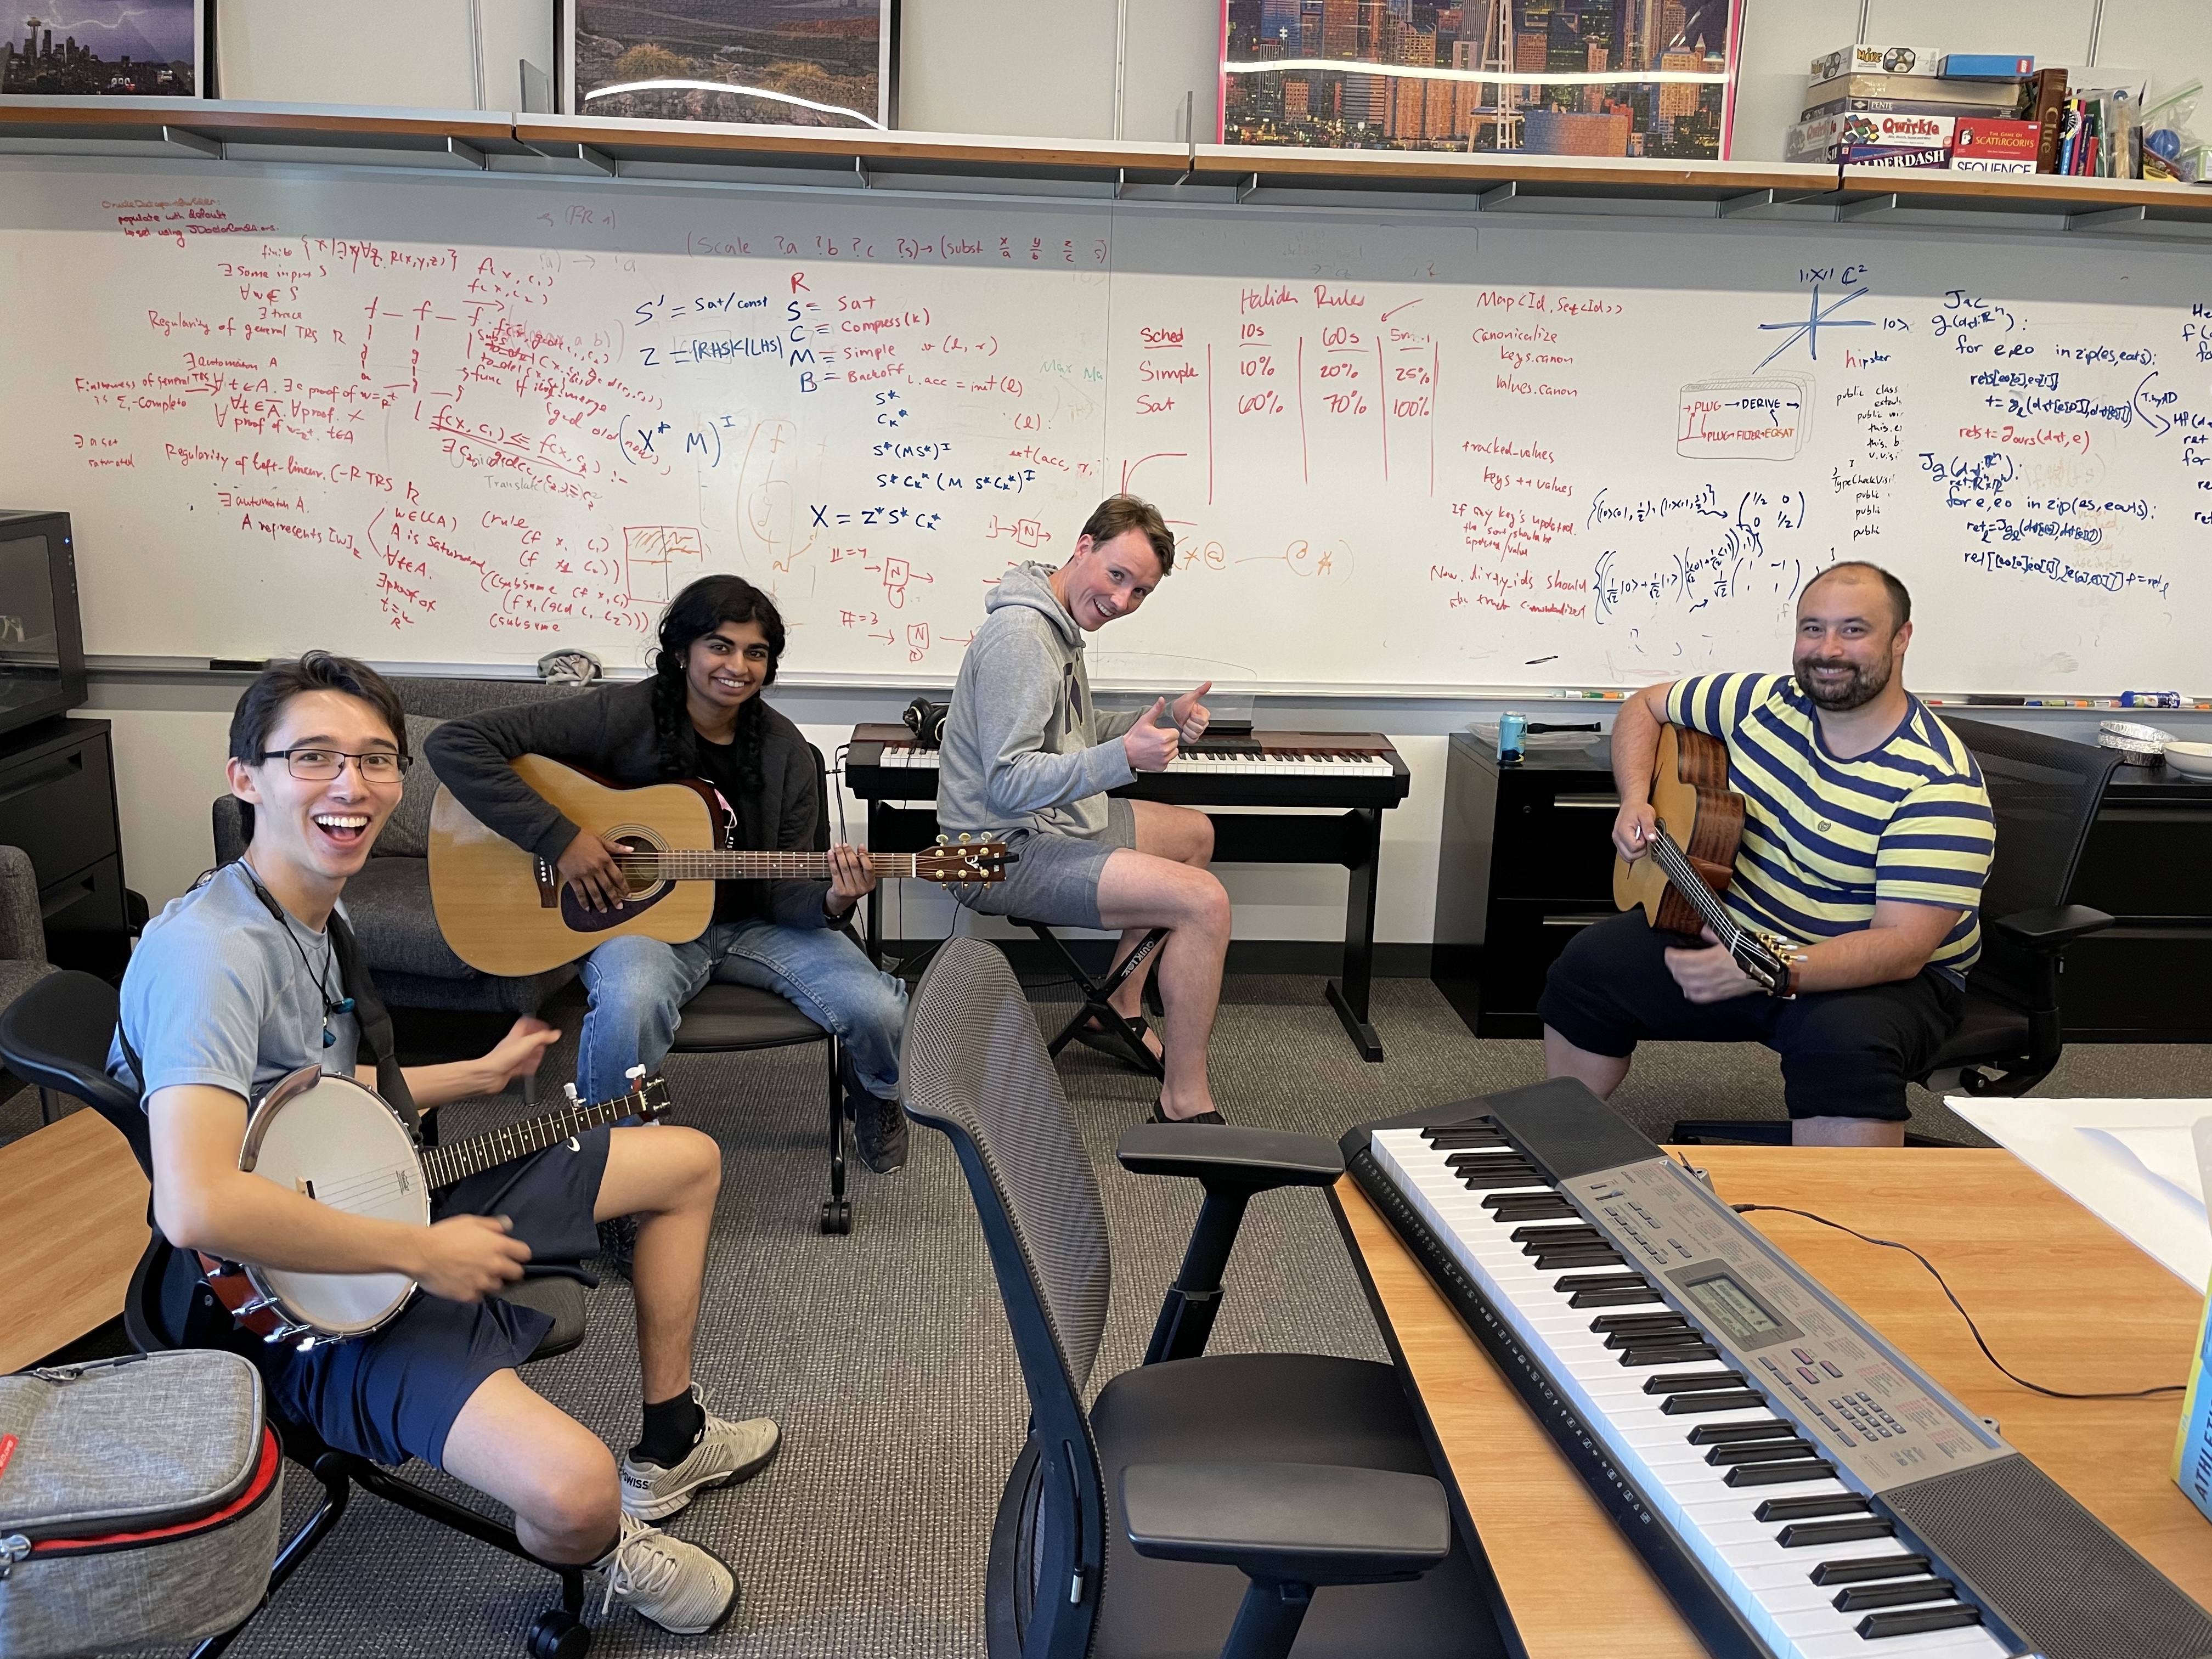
x,y
559,1634
836,1215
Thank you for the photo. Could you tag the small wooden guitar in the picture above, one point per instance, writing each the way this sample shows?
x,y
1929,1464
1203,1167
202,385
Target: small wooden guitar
x,y
1692,859
505,911
334,1139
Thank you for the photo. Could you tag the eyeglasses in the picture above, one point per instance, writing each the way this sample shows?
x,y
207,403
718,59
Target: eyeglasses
x,y
321,765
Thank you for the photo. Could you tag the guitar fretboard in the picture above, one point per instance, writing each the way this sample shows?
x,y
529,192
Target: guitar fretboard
x,y
1692,886
443,1165
684,865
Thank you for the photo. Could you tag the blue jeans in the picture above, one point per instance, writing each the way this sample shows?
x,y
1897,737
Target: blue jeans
x,y
639,986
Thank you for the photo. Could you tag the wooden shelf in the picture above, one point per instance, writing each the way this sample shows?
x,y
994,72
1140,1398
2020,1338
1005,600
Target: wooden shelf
x,y
859,158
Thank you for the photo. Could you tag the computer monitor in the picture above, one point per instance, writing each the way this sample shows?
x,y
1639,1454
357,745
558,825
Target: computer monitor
x,y
41,638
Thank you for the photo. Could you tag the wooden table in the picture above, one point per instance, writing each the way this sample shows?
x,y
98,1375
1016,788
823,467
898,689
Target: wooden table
x,y
2062,1299
76,1208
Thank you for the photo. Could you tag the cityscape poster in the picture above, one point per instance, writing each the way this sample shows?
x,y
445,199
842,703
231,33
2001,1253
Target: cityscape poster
x,y
794,63
103,48
1557,77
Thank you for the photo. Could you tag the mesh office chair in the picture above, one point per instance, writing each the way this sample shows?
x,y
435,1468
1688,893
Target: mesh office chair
x,y
56,1036
1198,1492
2044,792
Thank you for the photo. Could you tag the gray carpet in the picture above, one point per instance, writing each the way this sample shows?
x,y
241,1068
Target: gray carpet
x,y
884,1356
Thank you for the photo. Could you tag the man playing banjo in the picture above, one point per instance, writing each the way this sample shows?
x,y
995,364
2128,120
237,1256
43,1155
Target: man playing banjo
x,y
244,981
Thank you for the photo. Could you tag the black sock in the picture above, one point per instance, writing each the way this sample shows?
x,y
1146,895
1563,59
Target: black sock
x,y
672,1429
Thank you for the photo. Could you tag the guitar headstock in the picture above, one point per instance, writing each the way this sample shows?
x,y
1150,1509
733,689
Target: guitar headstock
x,y
647,1098
963,863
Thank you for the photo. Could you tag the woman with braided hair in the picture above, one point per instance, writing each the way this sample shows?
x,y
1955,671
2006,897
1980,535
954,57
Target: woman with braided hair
x,y
700,715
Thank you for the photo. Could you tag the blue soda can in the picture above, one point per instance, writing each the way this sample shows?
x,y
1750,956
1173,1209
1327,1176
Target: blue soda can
x,y
1512,736
2150,699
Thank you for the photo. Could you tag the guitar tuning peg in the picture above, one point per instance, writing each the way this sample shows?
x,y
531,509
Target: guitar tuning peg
x,y
633,1074
575,1099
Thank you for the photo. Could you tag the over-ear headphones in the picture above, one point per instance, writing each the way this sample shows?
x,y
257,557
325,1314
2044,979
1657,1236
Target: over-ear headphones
x,y
926,719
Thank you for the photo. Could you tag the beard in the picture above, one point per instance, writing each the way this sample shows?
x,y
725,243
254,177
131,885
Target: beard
x,y
1868,682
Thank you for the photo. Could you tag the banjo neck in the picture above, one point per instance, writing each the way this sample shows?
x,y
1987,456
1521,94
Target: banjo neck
x,y
443,1166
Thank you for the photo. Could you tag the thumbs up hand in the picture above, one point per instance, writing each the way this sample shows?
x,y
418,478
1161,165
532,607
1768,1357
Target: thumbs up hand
x,y
1150,745
1191,716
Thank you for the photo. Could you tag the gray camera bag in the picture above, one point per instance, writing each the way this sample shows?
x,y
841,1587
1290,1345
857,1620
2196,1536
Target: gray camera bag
x,y
141,1506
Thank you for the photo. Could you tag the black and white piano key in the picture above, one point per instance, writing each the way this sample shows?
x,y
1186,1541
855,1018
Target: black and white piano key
x,y
1904,1592
1761,1451
1881,1626
1866,1568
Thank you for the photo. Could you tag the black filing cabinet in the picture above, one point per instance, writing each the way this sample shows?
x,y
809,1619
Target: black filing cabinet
x,y
2149,864
58,804
1526,860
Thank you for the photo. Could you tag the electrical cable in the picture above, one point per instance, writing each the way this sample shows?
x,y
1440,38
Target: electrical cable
x,y
1892,1244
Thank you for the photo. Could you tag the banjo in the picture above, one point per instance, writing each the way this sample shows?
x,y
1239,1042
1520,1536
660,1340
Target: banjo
x,y
335,1141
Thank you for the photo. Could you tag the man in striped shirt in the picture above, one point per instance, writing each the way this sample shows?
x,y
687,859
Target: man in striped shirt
x,y
1867,837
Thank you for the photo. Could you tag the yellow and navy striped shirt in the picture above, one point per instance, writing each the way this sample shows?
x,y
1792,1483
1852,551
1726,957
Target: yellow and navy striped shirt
x,y
1824,839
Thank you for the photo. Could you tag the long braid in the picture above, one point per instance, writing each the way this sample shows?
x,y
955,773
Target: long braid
x,y
671,721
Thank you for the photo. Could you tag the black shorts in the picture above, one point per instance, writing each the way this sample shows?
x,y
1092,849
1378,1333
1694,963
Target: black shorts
x,y
394,1395
1845,1054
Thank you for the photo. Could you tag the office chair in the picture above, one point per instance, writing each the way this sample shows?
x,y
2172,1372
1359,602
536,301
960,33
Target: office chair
x,y
2044,792
726,1019
1225,1504
56,1036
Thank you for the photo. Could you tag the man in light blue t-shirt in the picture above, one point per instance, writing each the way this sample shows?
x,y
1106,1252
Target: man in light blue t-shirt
x,y
244,981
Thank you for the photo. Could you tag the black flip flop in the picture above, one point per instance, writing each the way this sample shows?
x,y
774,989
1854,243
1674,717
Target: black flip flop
x,y
1159,1116
1109,1044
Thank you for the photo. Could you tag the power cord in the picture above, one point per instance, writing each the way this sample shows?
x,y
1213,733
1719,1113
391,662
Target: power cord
x,y
1892,1244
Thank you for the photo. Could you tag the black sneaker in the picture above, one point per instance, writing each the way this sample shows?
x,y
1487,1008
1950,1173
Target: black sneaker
x,y
879,1131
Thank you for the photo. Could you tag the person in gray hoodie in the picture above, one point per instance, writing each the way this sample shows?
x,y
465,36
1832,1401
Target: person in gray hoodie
x,y
1027,759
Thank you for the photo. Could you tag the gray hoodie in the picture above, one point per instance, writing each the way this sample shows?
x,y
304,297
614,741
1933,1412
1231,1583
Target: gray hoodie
x,y
1023,748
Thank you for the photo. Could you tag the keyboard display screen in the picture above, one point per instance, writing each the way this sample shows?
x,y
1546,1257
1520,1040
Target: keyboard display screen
x,y
1734,1309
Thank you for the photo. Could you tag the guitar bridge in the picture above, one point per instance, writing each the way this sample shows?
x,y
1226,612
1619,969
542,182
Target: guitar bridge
x,y
549,884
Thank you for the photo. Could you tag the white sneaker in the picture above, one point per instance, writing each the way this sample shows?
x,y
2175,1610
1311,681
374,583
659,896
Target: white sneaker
x,y
727,1451
679,1586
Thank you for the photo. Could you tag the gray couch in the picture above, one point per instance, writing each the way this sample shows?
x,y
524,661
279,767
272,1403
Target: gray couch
x,y
389,901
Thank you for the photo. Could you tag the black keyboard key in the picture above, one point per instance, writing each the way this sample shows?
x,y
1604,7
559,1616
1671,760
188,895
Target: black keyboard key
x,y
1531,1206
1602,1282
1653,1336
1777,1474
1463,1135
1605,1322
1865,1568
1715,1434
1811,1534
1611,1299
1554,1235
1692,1382
1865,1598
1562,1260
1810,1509
1911,1621
1761,1451
1675,1353
1720,1399
1499,1154
1504,1179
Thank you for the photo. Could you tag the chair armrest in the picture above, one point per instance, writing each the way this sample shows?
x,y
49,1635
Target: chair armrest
x,y
1230,1155
2053,929
1307,1523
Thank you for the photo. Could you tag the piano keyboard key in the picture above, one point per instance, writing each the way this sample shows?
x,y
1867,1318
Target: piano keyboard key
x,y
1873,1566
1752,1544
1864,1598
1876,1625
1340,762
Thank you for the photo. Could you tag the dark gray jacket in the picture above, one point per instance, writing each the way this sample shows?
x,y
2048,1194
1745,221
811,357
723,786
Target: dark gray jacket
x,y
609,732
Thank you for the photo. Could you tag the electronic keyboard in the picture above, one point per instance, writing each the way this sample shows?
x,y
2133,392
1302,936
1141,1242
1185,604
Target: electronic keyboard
x,y
1228,762
1802,1489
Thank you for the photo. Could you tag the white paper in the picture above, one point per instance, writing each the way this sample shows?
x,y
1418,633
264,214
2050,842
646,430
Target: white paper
x,y
2115,1158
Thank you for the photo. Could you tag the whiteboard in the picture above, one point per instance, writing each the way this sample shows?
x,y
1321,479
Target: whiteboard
x,y
464,420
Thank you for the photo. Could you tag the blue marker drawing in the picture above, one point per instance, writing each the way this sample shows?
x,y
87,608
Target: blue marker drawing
x,y
1815,320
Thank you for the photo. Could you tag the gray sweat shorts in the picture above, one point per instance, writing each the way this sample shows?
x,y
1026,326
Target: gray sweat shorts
x,y
1054,878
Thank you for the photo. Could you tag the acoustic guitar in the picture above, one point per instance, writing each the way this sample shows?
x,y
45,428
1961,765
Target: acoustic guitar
x,y
1691,860
506,911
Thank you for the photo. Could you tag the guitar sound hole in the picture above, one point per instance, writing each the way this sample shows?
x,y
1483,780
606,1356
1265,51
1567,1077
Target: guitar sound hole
x,y
640,879
646,888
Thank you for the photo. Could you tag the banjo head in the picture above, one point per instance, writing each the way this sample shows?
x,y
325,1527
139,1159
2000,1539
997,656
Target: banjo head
x,y
334,1141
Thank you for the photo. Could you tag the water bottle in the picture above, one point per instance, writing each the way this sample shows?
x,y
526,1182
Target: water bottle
x,y
1512,737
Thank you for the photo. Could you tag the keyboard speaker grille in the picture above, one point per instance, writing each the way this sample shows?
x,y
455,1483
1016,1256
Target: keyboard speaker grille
x,y
2031,1554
